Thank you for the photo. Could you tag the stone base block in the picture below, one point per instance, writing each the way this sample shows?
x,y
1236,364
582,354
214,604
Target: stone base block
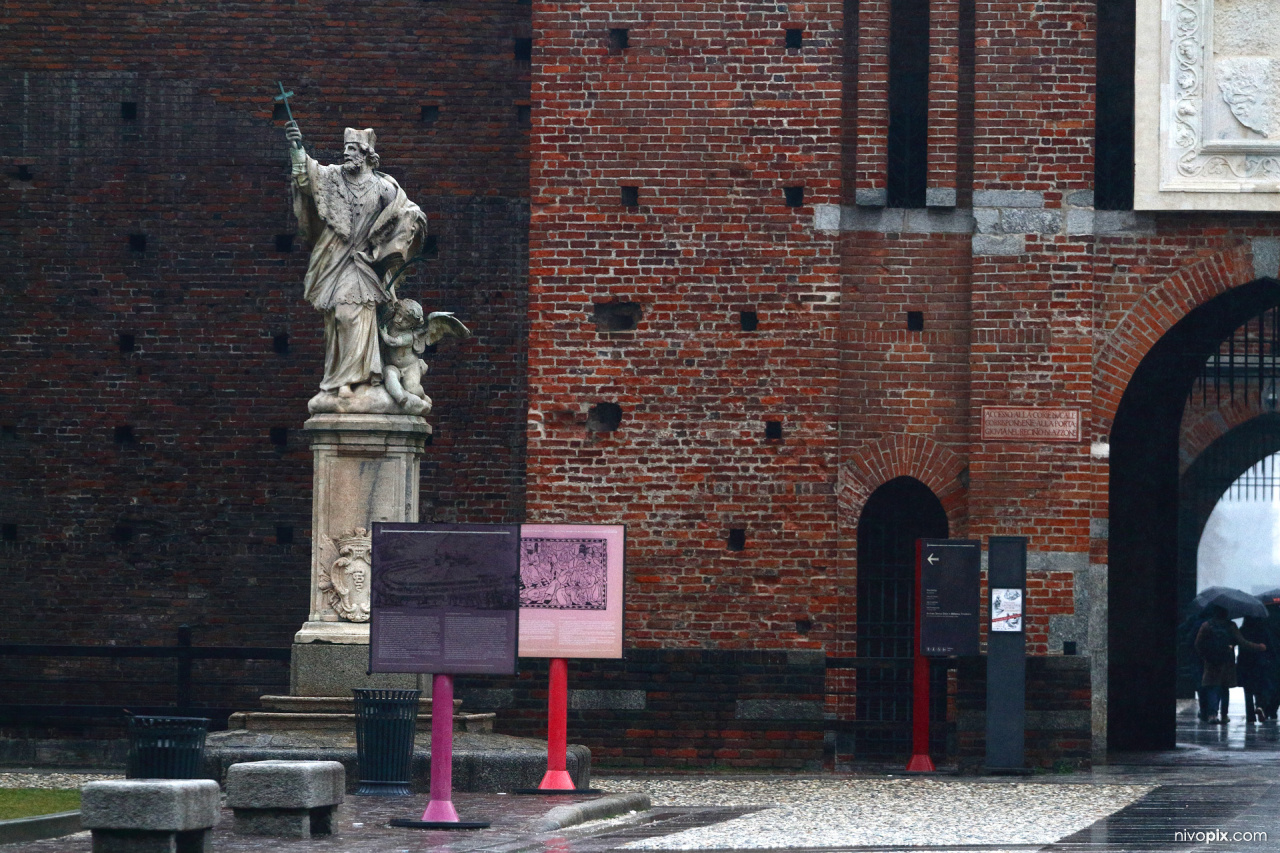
x,y
150,841
285,784
284,823
333,669
151,805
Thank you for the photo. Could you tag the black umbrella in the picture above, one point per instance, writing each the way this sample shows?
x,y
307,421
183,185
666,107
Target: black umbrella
x,y
1271,596
1236,602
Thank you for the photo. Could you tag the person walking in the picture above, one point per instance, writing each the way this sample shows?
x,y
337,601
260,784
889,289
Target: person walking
x,y
1255,670
1215,643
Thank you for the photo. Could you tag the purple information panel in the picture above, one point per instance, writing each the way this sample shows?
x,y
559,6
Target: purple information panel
x,y
571,583
446,598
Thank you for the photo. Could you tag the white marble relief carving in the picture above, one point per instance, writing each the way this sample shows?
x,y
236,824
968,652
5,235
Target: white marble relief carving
x,y
345,585
1223,73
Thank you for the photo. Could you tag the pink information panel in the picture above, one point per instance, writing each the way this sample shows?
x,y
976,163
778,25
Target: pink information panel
x,y
571,583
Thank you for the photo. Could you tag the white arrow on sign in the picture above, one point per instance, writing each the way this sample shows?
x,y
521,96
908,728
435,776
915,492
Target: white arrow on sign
x,y
931,559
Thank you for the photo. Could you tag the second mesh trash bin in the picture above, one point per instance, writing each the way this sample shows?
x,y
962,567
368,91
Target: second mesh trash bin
x,y
166,747
386,721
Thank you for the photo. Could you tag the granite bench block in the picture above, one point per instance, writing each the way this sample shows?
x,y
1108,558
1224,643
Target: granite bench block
x,y
150,815
293,799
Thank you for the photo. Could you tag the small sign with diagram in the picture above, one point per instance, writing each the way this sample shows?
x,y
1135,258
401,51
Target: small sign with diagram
x,y
1006,609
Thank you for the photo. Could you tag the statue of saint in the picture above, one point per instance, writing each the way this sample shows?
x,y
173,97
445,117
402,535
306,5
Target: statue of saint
x,y
362,229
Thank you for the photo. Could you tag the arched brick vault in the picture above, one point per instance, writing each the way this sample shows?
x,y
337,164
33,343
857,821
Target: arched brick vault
x,y
1201,427
904,455
1152,316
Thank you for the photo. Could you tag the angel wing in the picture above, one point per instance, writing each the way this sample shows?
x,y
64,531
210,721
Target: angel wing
x,y
439,325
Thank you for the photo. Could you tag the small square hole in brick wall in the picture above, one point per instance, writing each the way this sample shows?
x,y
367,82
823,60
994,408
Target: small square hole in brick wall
x,y
630,196
737,539
9,532
279,113
126,342
604,417
804,626
915,321
124,434
284,242
8,432
617,316
430,112
794,196
122,533
773,430
137,242
284,534
429,438
795,38
749,320
279,436
522,50
280,343
617,40
129,110
430,247
524,114
22,173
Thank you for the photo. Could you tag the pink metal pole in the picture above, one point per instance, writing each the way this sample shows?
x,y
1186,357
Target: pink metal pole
x,y
920,761
557,778
440,809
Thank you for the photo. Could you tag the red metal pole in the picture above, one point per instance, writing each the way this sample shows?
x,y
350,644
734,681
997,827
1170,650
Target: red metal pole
x,y
557,778
920,761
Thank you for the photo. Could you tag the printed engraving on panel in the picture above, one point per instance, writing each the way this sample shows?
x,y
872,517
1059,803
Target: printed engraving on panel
x,y
563,574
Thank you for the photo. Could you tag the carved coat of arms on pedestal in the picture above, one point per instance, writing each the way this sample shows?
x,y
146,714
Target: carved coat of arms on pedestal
x,y
345,584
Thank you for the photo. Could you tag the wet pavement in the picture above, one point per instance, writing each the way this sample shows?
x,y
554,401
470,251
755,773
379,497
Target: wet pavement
x,y
1219,790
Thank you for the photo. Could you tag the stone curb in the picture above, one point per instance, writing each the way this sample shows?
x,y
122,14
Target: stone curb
x,y
36,828
611,806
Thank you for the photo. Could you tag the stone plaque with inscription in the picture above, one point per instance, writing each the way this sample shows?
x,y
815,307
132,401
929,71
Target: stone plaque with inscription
x,y
1207,120
1013,423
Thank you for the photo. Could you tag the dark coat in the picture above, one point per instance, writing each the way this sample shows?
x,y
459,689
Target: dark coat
x,y
1256,669
1221,674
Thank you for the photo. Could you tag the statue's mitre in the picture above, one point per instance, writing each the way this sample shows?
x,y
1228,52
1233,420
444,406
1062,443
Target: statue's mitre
x,y
366,138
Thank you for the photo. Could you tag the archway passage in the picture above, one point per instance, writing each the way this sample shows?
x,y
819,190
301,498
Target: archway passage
x,y
894,517
1202,486
1144,514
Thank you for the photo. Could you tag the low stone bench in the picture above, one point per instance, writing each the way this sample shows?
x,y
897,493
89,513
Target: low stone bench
x,y
150,815
292,799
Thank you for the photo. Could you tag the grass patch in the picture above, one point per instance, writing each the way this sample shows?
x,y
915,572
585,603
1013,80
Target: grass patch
x,y
29,802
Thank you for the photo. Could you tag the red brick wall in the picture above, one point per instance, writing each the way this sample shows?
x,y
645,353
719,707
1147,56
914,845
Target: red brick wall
x,y
711,116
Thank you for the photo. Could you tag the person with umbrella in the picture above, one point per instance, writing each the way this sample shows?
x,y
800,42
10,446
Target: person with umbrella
x,y
1215,642
1271,600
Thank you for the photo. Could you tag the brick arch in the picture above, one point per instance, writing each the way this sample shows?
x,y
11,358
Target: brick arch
x,y
1155,314
903,455
1201,427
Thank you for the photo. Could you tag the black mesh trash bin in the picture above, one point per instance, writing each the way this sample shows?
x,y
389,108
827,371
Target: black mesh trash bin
x,y
386,721
166,747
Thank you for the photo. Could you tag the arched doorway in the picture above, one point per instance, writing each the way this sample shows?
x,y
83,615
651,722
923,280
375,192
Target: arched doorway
x,y
1143,558
1202,486
894,517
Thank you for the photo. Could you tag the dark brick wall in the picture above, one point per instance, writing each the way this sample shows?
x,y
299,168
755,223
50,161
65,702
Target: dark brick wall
x,y
674,708
120,539
1057,730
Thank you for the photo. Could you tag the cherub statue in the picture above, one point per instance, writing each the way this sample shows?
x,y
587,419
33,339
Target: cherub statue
x,y
405,336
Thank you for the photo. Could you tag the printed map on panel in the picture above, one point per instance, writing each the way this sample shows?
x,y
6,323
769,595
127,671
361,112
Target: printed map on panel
x,y
563,574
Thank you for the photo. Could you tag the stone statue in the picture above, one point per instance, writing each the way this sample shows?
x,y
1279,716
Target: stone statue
x,y
363,230
406,336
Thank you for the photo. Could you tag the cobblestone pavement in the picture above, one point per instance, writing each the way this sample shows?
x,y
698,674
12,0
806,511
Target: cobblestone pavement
x,y
1218,791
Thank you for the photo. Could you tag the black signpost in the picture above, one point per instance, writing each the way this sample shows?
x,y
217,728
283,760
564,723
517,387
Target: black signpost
x,y
951,596
1006,654
947,589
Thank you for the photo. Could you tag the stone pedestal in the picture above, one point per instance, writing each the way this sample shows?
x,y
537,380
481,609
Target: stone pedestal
x,y
365,470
